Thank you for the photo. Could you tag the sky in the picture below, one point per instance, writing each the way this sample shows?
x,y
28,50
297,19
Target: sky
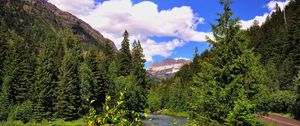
x,y
166,28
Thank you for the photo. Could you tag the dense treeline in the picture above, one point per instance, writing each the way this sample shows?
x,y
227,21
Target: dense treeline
x,y
230,82
56,77
277,42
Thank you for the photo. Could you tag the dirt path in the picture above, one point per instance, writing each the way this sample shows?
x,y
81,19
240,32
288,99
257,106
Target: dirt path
x,y
279,120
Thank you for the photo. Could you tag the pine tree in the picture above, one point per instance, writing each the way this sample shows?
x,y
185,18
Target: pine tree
x,y
45,82
124,56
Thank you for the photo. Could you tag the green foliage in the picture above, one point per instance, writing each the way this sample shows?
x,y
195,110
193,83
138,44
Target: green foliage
x,y
18,68
99,78
43,63
154,100
134,98
85,86
242,114
68,95
116,115
283,101
231,73
277,41
22,112
45,82
296,108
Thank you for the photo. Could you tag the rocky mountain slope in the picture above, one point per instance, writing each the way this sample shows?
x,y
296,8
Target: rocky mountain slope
x,y
22,14
167,68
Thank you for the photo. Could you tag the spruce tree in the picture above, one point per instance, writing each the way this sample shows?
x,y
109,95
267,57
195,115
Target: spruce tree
x,y
45,82
67,92
19,68
138,63
139,73
231,71
100,80
124,56
68,87
86,81
112,87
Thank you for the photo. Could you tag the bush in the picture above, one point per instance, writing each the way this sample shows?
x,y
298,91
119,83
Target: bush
x,y
242,114
22,112
283,101
115,115
154,101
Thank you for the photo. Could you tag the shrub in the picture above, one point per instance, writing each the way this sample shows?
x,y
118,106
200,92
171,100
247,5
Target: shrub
x,y
113,116
283,101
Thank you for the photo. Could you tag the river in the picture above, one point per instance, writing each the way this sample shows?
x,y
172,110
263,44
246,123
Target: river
x,y
163,120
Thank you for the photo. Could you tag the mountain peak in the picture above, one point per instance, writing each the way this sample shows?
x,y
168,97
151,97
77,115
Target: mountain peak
x,y
167,68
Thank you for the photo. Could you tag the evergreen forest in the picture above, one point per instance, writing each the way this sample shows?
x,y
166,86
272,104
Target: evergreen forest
x,y
50,73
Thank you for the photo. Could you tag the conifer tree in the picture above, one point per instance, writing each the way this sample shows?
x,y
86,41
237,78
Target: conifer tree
x,y
19,68
86,79
138,63
3,48
45,82
68,87
100,80
124,56
112,75
68,92
139,73
231,71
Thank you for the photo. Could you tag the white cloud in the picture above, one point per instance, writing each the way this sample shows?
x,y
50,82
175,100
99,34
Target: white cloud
x,y
248,23
272,4
261,19
76,7
163,48
142,20
180,58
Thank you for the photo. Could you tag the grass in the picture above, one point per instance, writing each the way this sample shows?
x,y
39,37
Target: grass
x,y
172,113
287,115
79,122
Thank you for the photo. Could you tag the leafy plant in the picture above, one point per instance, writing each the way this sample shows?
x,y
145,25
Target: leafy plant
x,y
115,115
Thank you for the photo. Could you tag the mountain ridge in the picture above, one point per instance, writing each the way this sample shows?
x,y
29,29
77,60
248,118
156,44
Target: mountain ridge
x,y
56,19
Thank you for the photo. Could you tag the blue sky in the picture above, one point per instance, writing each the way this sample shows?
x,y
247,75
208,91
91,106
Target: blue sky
x,y
166,28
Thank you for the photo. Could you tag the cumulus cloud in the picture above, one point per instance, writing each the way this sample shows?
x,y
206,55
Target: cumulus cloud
x,y
143,20
261,19
76,7
162,48
248,23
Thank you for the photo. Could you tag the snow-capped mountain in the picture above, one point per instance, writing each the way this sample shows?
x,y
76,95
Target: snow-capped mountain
x,y
167,68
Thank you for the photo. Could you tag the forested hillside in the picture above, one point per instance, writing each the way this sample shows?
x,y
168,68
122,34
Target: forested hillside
x,y
52,68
